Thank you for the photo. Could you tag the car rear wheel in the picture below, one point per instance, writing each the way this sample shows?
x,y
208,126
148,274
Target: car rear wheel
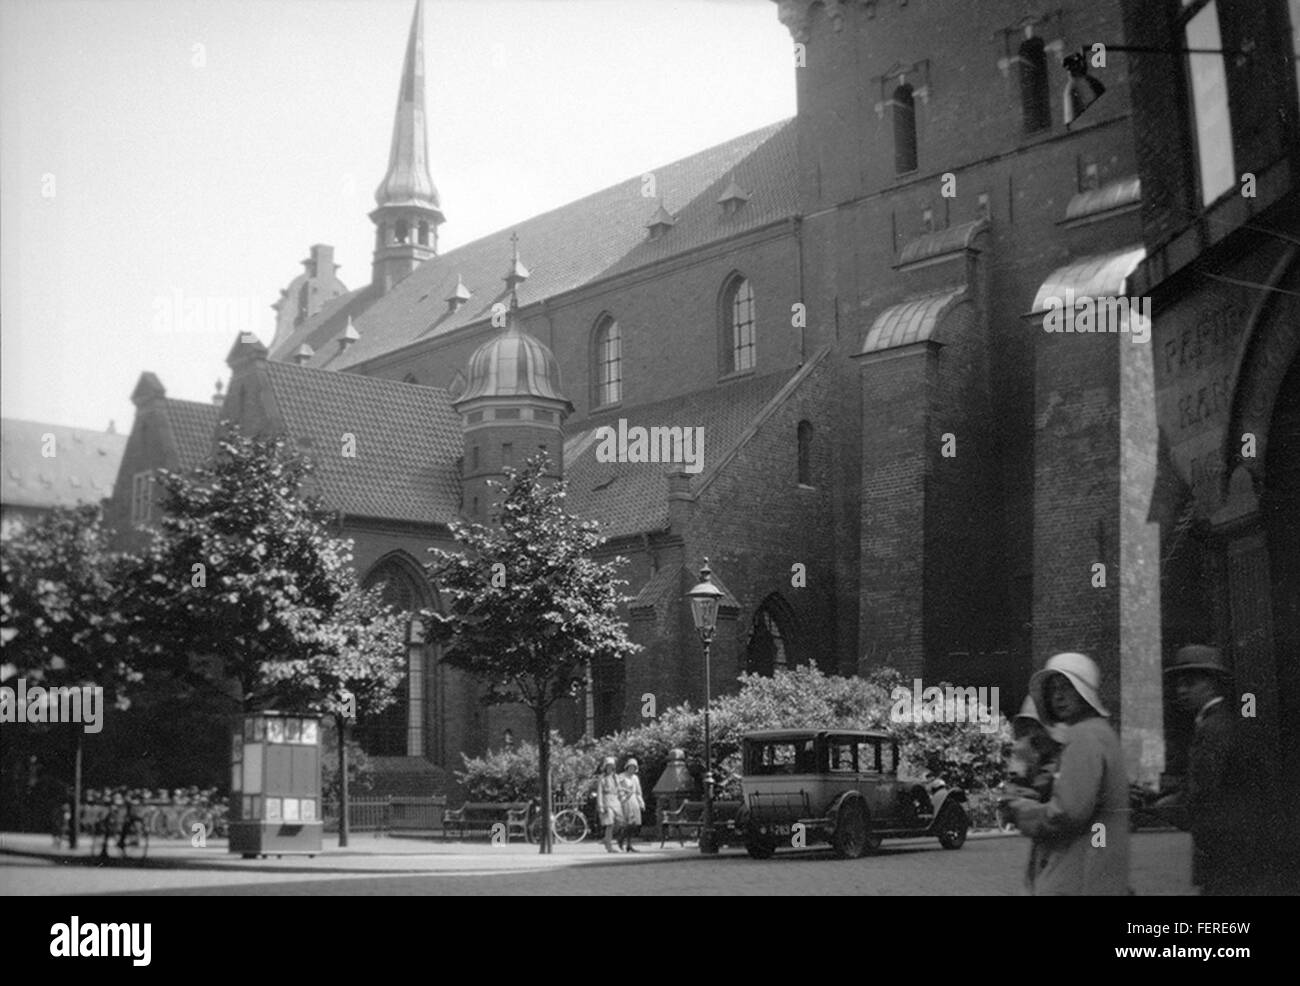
x,y
853,833
952,826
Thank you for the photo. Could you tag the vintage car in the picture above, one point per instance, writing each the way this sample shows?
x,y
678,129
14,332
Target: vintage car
x,y
803,786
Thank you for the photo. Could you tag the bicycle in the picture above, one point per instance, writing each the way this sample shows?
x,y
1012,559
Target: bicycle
x,y
567,825
121,826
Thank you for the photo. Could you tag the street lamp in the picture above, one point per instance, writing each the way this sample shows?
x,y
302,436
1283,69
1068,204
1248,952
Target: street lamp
x,y
704,611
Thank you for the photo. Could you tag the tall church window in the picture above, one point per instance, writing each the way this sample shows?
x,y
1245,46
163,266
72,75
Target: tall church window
x,y
769,637
1035,97
400,729
805,433
904,104
1208,84
738,325
608,352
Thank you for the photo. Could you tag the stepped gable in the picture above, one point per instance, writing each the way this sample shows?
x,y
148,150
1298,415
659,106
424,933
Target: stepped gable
x,y
632,497
408,441
584,241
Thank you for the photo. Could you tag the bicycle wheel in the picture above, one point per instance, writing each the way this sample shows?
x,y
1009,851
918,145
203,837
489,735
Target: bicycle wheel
x,y
195,816
134,841
570,826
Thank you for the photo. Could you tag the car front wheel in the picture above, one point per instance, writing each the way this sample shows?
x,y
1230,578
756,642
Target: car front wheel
x,y
852,832
759,846
952,827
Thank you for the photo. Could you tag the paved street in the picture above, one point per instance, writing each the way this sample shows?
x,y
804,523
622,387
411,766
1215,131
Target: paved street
x,y
987,865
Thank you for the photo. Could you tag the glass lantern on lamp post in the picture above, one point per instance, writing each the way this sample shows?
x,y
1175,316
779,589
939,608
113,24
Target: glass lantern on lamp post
x,y
704,611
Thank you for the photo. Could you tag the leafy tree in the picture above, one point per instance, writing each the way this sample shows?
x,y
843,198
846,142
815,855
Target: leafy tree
x,y
244,570
528,608
356,668
63,613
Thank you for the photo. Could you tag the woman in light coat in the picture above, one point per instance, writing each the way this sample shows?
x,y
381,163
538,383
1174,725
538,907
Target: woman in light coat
x,y
608,806
629,793
1081,834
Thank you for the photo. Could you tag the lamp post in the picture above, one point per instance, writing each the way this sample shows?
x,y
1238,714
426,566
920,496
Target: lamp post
x,y
704,611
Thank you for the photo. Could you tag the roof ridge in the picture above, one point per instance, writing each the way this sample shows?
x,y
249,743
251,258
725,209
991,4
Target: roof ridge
x,y
344,373
773,127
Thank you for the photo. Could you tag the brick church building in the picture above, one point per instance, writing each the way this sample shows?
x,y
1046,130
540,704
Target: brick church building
x,y
900,467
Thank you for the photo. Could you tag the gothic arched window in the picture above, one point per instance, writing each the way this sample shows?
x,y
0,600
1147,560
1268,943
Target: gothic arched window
x,y
1035,99
904,129
738,336
400,729
607,355
769,637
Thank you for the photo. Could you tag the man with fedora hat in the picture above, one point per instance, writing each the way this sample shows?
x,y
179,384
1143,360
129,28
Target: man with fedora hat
x,y
1222,797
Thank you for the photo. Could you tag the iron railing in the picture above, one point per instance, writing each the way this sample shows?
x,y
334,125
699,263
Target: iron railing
x,y
387,814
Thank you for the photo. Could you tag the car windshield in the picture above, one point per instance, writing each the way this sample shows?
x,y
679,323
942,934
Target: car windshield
x,y
781,757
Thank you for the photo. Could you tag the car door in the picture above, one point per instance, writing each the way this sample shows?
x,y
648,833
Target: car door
x,y
876,782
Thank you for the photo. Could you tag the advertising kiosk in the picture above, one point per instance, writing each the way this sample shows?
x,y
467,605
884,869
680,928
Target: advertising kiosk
x,y
275,785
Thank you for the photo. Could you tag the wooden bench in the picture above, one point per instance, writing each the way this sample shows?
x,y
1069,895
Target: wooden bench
x,y
689,817
481,816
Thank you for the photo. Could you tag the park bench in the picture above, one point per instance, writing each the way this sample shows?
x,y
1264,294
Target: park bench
x,y
481,816
689,818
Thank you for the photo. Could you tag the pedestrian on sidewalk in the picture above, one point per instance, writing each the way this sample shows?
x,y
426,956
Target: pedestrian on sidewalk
x,y
1222,803
1081,834
631,801
607,801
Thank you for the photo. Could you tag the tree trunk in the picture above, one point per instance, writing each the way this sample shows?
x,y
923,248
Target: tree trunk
x,y
544,767
76,789
342,723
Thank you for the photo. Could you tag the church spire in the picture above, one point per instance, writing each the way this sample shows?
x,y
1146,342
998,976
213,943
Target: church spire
x,y
408,181
409,211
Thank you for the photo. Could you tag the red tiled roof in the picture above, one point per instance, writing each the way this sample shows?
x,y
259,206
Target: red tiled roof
x,y
592,238
407,442
81,470
629,498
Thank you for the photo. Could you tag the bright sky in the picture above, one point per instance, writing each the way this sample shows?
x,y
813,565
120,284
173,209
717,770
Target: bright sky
x,y
156,152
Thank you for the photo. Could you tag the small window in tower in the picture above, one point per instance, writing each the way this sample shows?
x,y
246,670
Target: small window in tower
x,y
805,433
142,497
424,233
401,232
302,301
507,454
473,455
904,105
474,508
1035,98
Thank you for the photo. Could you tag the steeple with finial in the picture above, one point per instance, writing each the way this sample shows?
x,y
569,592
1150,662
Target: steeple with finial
x,y
409,211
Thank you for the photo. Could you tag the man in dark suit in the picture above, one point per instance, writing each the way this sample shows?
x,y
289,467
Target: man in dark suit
x,y
1222,797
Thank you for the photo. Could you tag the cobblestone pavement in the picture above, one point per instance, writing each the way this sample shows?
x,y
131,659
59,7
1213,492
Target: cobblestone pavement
x,y
985,866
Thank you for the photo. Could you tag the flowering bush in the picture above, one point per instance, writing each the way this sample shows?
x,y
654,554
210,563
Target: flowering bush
x,y
962,753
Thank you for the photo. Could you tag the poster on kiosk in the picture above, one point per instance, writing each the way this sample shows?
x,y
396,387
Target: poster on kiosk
x,y
275,785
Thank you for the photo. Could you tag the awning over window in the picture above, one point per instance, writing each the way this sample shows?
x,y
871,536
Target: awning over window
x,y
910,321
1103,275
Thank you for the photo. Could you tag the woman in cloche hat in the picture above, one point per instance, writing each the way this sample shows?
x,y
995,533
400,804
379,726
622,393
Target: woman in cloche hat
x,y
1081,834
607,801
